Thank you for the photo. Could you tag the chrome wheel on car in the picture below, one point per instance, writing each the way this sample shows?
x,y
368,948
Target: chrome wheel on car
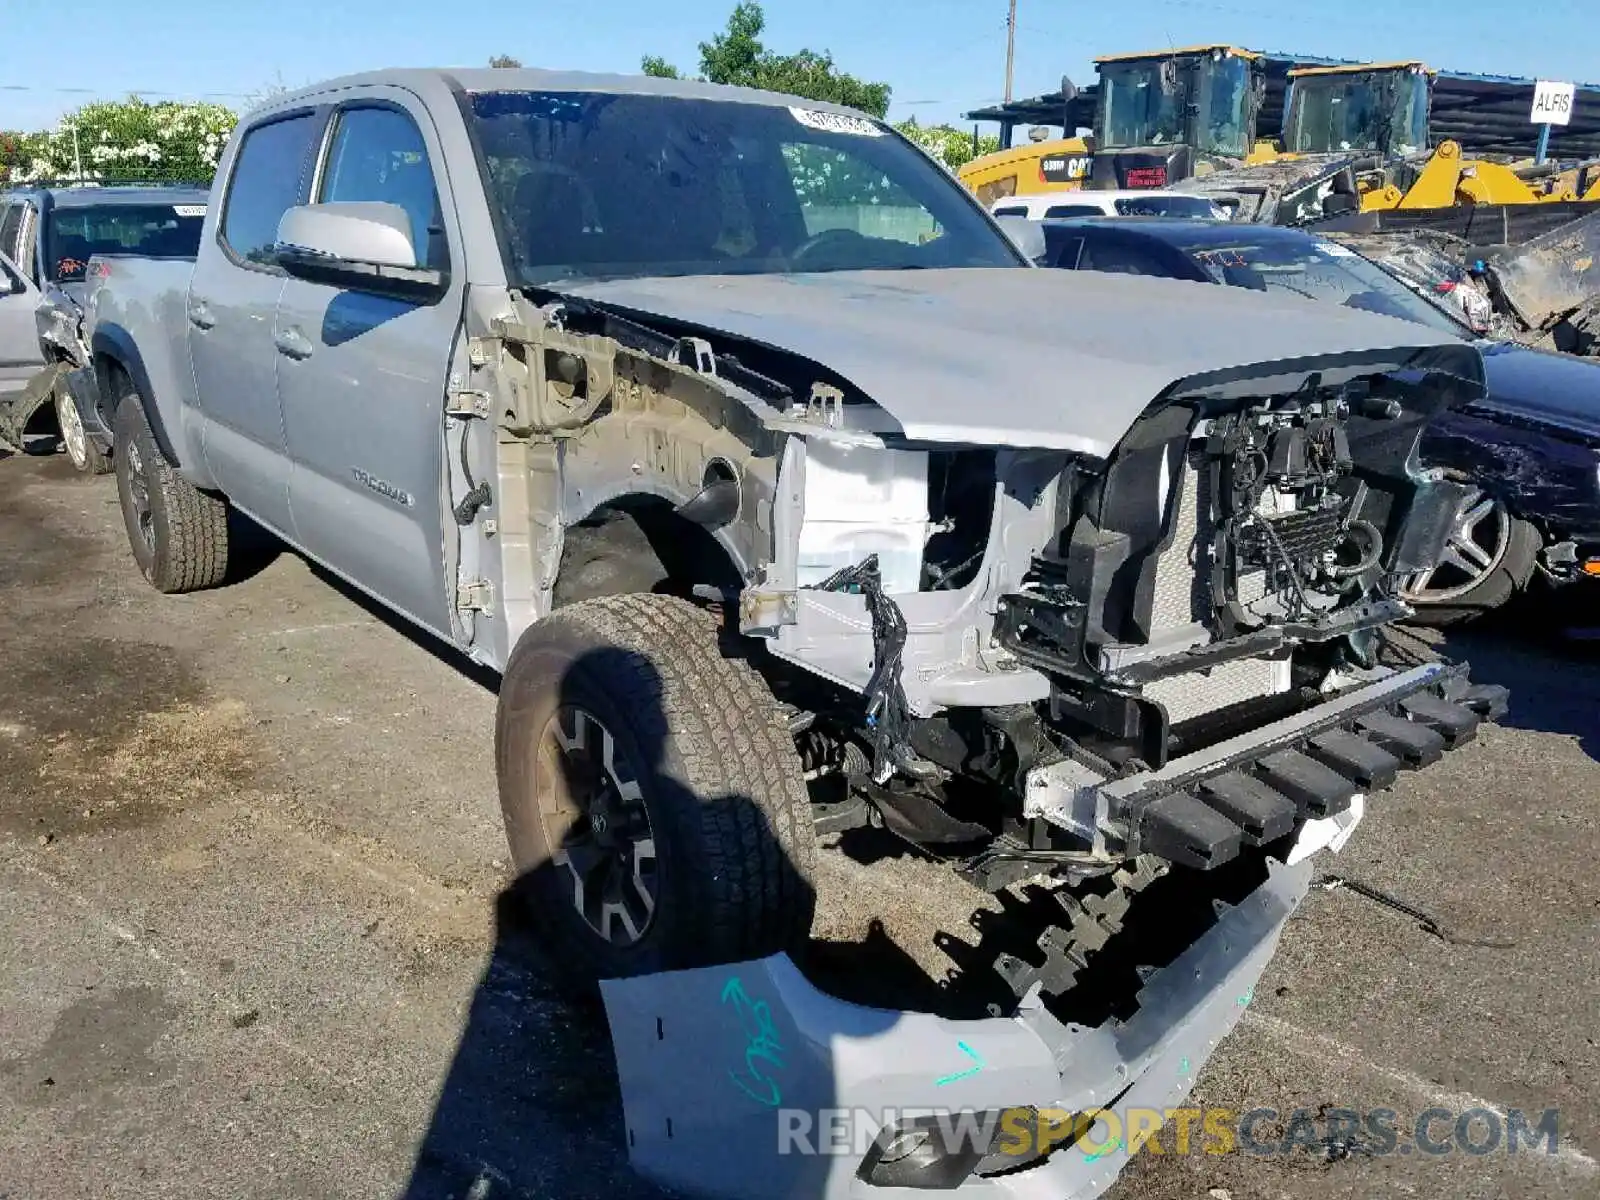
x,y
72,434
1476,547
593,815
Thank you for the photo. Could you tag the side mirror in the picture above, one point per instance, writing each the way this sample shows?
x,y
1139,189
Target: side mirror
x,y
362,246
1069,90
1027,236
361,231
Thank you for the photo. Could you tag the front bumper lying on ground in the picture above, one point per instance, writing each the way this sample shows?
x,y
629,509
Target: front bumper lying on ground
x,y
747,1081
717,1064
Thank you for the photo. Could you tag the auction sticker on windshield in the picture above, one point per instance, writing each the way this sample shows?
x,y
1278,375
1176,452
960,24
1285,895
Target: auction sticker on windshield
x,y
189,210
836,122
1334,250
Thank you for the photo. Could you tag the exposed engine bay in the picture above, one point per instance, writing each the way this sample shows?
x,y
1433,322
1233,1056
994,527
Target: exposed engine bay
x,y
1045,663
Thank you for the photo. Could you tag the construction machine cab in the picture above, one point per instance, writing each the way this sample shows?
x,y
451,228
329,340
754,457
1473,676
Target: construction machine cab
x,y
1162,115
1371,108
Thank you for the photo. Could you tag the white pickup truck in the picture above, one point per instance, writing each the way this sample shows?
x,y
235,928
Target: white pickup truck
x,y
786,495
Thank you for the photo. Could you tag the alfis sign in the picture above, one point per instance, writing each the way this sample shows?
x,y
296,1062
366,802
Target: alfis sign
x,y
1552,103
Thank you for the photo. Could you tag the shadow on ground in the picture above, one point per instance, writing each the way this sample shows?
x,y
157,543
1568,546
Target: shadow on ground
x,y
1537,646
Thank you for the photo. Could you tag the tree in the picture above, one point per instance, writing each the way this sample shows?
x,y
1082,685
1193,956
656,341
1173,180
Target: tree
x,y
737,56
129,139
505,61
951,146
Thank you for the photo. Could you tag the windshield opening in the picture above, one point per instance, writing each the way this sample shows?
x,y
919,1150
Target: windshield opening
x,y
1149,103
1372,112
1318,270
1141,104
75,235
1222,100
1410,114
591,186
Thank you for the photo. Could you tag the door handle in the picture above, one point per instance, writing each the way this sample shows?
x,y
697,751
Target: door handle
x,y
292,343
200,314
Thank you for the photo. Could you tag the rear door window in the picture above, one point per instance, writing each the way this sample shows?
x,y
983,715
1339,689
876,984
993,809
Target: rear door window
x,y
77,234
379,154
267,179
1073,210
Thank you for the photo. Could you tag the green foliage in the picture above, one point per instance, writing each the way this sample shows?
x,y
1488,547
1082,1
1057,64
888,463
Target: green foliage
x,y
125,139
737,56
949,145
505,61
17,151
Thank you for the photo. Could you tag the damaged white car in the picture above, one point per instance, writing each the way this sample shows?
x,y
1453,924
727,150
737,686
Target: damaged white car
x,y
787,496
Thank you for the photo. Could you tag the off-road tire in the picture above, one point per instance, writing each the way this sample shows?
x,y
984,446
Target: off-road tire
x,y
721,781
92,460
188,545
1510,575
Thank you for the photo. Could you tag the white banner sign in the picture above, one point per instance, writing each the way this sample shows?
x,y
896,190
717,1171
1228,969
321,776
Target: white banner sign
x,y
1552,103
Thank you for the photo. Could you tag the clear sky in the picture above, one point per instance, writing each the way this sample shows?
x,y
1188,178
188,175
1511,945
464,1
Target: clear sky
x,y
941,56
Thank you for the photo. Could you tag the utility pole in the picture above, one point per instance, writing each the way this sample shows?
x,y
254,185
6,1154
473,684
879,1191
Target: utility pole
x,y
1011,46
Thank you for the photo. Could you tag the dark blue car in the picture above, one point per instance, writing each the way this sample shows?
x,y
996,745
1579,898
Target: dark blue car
x,y
1531,448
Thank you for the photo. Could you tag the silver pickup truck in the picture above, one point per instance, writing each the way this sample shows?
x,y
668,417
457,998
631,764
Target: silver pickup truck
x,y
787,497
50,233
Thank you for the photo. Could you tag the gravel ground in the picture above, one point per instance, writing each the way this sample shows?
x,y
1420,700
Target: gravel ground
x,y
250,942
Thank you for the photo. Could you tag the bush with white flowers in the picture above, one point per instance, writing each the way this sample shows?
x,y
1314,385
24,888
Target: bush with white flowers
x,y
130,139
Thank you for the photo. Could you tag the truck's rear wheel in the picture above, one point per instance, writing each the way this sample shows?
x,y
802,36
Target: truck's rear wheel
x,y
179,535
654,803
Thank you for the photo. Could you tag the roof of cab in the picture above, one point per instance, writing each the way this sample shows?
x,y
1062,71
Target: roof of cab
x,y
1186,231
437,83
82,196
1180,51
1402,64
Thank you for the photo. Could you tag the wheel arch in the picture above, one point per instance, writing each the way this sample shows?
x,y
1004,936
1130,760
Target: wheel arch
x,y
116,352
686,553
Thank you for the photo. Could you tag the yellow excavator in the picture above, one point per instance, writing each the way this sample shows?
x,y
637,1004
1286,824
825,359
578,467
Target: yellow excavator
x,y
1045,164
1165,115
1161,116
1377,116
1354,138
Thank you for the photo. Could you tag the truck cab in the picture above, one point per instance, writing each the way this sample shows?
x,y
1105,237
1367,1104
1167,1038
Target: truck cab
x,y
1372,108
1165,115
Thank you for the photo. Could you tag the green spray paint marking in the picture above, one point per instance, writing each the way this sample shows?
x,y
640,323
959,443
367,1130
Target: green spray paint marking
x,y
973,1070
1248,996
1183,1066
1104,1150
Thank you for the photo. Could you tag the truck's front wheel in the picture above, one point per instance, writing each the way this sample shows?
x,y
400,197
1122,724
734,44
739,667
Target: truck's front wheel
x,y
179,535
653,799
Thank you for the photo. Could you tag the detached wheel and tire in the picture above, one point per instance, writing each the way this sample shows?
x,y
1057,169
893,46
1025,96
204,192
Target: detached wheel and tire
x,y
654,802
81,450
1489,557
179,534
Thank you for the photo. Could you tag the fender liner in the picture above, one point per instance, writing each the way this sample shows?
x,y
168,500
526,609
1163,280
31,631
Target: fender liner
x,y
114,344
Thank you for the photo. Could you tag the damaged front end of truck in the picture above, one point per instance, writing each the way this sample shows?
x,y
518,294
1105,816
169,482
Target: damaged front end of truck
x,y
1093,631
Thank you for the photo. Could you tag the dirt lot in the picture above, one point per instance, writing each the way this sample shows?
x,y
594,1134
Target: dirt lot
x,y
249,946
